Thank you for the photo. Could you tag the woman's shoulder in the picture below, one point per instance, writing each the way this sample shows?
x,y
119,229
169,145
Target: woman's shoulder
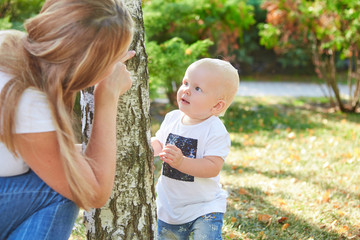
x,y
10,33
29,96
9,39
4,78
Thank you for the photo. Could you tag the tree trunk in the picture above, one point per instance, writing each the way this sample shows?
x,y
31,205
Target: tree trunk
x,y
326,70
333,83
131,211
356,95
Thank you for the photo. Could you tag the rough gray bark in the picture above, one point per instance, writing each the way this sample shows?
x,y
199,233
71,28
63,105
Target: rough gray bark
x,y
131,211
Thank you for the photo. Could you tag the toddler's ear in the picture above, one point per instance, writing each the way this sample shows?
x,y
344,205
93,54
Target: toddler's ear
x,y
219,107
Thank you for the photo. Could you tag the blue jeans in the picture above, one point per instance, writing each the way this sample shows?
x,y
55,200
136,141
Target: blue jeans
x,y
31,210
207,227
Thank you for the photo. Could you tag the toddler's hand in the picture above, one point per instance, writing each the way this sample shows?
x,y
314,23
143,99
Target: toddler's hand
x,y
172,155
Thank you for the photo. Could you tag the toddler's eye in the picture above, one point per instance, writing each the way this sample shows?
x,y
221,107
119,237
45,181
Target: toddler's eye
x,y
186,83
198,89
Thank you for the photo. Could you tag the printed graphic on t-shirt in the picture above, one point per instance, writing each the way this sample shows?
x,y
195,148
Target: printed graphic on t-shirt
x,y
188,146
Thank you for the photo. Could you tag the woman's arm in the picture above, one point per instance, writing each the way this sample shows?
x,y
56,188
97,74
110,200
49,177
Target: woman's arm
x,y
41,150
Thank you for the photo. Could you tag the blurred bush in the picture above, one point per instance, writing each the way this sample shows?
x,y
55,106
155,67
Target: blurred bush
x,y
168,61
13,13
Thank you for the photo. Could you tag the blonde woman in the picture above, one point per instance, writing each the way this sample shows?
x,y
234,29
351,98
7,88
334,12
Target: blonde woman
x,y
69,46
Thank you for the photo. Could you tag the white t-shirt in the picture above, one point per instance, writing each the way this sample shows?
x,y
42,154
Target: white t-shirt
x,y
182,198
33,115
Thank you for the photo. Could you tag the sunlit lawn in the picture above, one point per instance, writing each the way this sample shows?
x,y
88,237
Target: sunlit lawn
x,y
293,171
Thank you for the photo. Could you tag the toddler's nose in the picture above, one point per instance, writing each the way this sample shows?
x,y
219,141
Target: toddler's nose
x,y
187,90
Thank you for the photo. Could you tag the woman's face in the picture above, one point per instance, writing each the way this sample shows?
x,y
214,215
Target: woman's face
x,y
111,67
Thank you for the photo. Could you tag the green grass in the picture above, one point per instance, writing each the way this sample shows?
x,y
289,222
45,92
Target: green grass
x,y
292,173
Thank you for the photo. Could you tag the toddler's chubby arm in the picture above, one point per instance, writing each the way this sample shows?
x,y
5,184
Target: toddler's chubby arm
x,y
157,146
206,167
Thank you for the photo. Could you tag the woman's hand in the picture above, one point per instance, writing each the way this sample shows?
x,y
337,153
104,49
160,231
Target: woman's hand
x,y
118,80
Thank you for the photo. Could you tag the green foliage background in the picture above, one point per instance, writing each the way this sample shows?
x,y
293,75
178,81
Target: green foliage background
x,y
13,13
180,31
167,63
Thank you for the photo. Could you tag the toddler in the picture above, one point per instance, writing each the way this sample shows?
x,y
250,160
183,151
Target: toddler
x,y
193,143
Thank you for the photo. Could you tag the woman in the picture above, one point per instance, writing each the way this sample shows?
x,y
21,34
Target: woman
x,y
69,46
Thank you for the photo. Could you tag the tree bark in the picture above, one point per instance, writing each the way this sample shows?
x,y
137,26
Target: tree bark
x,y
131,211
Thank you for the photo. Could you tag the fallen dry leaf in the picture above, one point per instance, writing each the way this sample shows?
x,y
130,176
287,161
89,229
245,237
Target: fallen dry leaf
x,y
285,226
231,235
341,213
242,191
326,196
282,219
265,218
343,229
295,157
281,202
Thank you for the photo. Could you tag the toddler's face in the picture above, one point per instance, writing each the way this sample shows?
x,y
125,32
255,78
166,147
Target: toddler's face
x,y
199,93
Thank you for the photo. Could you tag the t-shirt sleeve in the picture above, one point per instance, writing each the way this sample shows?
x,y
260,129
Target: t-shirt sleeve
x,y
163,131
218,144
33,113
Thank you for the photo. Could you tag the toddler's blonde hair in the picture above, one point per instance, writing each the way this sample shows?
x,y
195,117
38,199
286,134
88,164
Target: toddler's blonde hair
x,y
230,79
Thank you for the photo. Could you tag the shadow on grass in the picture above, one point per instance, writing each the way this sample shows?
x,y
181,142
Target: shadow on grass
x,y
256,114
256,216
268,117
308,178
281,174
298,114
239,145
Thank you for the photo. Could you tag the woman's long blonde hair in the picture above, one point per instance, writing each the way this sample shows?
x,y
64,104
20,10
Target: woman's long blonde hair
x,y
68,46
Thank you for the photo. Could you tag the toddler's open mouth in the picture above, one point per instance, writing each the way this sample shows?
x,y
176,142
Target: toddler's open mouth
x,y
184,101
